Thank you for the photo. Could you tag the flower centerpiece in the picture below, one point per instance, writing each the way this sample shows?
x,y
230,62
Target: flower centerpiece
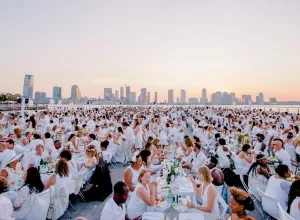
x,y
274,160
171,170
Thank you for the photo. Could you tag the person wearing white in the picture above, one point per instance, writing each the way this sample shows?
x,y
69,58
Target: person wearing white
x,y
206,195
114,208
33,185
196,159
278,188
94,142
294,200
61,177
35,142
144,195
6,207
277,145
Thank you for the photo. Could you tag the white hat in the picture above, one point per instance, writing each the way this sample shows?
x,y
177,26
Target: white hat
x,y
8,157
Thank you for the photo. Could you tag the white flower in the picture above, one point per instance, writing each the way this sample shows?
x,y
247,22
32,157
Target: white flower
x,y
176,170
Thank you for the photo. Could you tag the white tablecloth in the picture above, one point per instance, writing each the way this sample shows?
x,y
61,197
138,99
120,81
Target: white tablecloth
x,y
182,216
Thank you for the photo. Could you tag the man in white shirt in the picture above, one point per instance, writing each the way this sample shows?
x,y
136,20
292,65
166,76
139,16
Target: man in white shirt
x,y
114,208
17,148
277,145
93,141
35,142
195,159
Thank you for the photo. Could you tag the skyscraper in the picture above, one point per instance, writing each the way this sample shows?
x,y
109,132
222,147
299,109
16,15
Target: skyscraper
x,y
57,95
121,93
155,97
204,99
43,97
37,97
75,93
216,98
117,95
246,99
132,98
170,96
108,95
148,98
143,96
182,96
28,86
261,98
127,94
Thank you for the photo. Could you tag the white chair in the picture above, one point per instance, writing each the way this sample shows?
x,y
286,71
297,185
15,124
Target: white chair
x,y
60,201
269,201
253,197
39,205
224,206
282,214
71,190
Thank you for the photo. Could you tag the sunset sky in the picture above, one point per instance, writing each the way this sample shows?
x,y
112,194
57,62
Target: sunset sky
x,y
246,46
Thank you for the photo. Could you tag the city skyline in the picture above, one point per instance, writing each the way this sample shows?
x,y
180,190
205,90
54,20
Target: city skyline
x,y
132,97
246,47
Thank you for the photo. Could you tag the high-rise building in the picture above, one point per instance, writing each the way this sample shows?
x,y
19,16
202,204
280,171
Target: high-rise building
x,y
108,94
234,100
143,96
132,98
127,94
155,97
182,96
28,86
273,100
43,97
171,96
148,98
216,98
261,98
177,100
75,93
203,99
57,95
117,95
37,97
122,93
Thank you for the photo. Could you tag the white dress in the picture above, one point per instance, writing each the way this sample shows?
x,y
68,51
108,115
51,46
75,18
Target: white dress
x,y
139,139
136,206
204,195
120,150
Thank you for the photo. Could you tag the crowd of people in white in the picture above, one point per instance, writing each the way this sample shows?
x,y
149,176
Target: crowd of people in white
x,y
213,145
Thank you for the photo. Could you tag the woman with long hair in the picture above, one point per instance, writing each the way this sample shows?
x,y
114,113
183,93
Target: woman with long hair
x,y
131,173
206,194
32,185
240,201
138,135
144,195
91,160
61,177
259,174
294,200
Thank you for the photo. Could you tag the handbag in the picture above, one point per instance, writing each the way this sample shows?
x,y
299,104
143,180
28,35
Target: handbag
x,y
51,209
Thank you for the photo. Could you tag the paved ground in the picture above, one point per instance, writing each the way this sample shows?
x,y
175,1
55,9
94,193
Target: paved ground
x,y
92,210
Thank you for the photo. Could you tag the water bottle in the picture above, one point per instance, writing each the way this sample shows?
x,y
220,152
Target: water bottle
x,y
298,171
170,197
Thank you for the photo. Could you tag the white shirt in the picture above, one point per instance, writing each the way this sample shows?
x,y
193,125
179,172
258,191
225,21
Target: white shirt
x,y
96,144
6,208
196,160
285,157
32,145
112,211
19,149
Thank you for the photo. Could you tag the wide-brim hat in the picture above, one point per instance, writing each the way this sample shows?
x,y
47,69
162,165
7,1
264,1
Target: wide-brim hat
x,y
9,157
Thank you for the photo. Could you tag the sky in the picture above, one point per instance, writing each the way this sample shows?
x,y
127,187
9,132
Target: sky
x,y
245,47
